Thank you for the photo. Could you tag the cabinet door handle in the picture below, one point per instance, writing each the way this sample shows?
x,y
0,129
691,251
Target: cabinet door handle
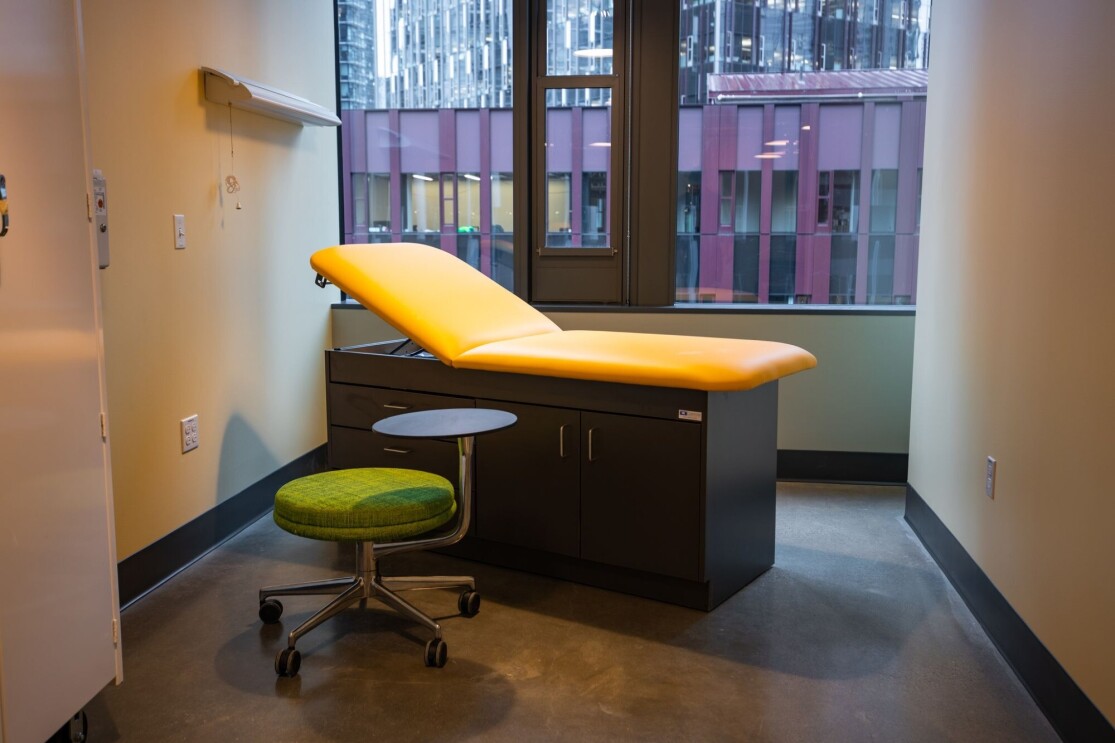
x,y
393,450
561,441
397,406
591,457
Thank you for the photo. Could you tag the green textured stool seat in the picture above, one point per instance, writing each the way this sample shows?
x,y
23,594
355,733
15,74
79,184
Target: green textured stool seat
x,y
372,504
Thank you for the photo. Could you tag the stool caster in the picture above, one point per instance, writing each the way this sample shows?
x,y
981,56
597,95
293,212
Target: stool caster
x,y
469,603
270,610
287,662
436,653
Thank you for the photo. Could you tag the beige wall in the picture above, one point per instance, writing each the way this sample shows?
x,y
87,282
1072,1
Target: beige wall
x,y
1013,353
857,399
232,327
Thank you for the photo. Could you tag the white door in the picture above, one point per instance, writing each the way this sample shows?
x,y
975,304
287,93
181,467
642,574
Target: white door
x,y
57,551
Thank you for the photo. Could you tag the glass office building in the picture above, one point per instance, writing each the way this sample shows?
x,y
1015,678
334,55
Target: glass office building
x,y
800,137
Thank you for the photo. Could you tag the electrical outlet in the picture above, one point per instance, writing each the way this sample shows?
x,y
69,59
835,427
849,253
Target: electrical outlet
x,y
989,481
189,433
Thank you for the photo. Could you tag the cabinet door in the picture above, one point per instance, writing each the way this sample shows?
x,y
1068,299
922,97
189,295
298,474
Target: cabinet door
x,y
528,480
640,493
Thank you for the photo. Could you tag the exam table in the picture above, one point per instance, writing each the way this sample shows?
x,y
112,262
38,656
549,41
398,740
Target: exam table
x,y
643,463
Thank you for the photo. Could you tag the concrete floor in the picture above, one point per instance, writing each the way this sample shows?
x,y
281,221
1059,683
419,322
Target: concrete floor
x,y
853,635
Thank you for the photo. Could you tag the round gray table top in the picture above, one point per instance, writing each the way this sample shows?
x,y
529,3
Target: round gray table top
x,y
445,423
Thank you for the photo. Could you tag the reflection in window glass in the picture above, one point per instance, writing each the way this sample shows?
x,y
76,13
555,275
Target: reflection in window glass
x,y
689,202
726,199
503,202
448,200
468,202
749,198
360,200
559,209
687,247
579,37
834,40
468,249
421,202
845,200
811,243
842,270
745,269
503,224
400,65
379,203
784,201
594,212
578,160
783,268
804,30
773,24
880,270
824,196
884,200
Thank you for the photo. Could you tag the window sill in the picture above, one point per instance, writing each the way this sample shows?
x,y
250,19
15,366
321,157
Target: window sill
x,y
869,310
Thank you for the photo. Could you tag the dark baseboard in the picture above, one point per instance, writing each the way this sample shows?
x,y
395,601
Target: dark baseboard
x,y
842,466
1068,709
139,573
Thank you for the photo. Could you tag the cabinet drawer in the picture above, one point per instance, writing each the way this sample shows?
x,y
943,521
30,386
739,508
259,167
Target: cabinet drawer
x,y
353,447
359,407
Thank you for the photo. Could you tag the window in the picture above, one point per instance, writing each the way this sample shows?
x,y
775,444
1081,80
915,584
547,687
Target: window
x,y
427,130
840,155
660,152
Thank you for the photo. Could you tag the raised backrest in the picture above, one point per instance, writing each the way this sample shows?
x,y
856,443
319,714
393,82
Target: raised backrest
x,y
435,299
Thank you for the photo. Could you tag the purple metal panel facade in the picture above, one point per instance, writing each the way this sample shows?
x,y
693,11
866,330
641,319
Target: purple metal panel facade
x,y
749,138
867,117
709,274
690,139
840,137
888,121
353,120
719,141
910,156
807,262
419,139
765,201
597,139
484,139
468,142
447,181
576,156
380,139
395,157
559,140
502,141
786,129
731,87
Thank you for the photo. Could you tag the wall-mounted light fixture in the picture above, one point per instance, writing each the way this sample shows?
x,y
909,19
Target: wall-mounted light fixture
x,y
239,92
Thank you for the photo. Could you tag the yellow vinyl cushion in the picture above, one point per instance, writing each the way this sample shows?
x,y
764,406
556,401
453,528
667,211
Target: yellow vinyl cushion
x,y
469,321
690,362
435,299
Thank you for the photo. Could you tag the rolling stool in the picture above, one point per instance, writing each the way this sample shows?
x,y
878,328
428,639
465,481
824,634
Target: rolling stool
x,y
382,510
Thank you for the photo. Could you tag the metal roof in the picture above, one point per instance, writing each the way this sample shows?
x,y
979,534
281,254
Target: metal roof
x,y
827,84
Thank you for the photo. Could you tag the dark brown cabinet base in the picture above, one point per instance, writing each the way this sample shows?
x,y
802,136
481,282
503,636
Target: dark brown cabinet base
x,y
659,492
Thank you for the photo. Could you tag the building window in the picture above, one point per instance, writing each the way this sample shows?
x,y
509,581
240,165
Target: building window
x,y
806,197
441,177
421,203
